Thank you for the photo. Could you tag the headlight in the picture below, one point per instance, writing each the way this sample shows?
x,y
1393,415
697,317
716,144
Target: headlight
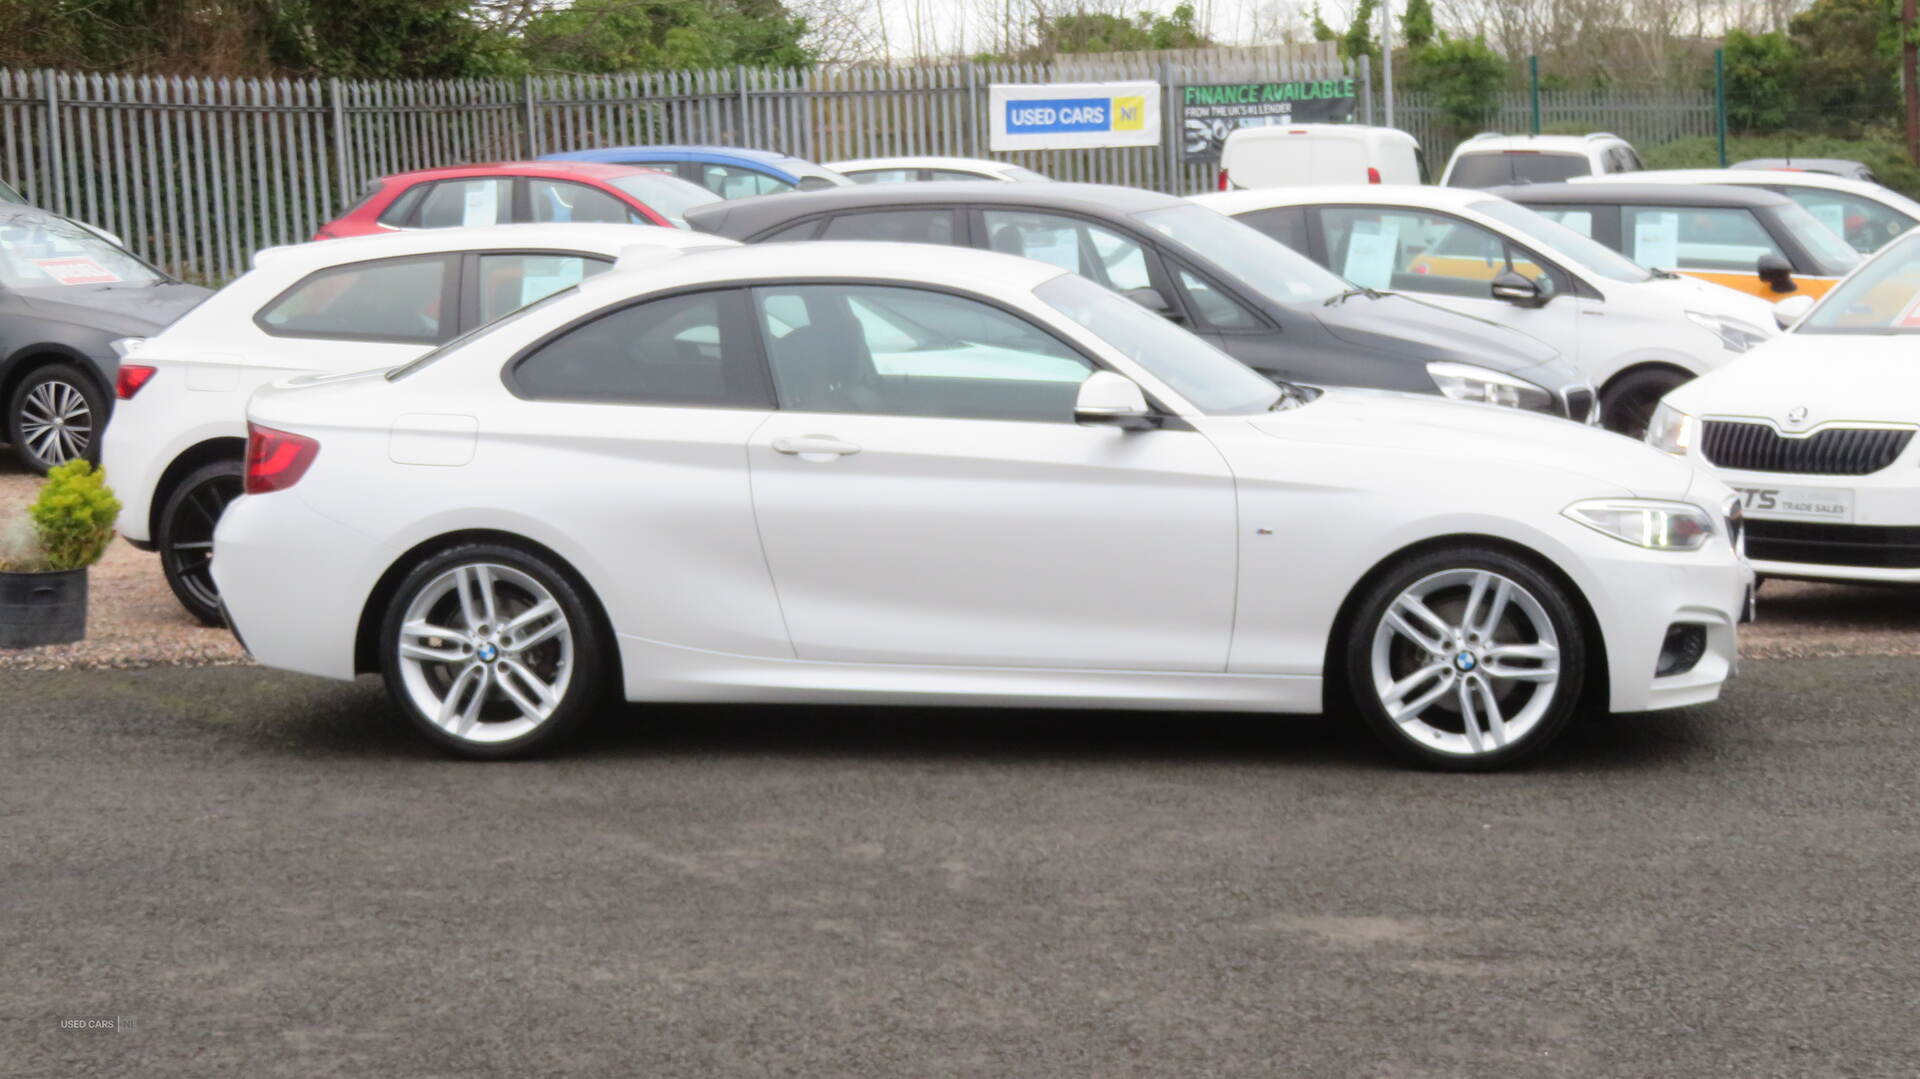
x,y
1671,430
1735,335
1465,382
1658,526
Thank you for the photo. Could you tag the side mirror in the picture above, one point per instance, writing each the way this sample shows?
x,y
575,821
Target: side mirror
x,y
1112,400
1776,272
1517,289
1151,299
1791,310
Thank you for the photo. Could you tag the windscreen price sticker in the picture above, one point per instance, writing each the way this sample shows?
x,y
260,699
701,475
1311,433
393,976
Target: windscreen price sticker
x,y
1805,503
76,270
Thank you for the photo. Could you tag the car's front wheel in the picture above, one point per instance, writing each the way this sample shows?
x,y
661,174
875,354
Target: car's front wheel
x,y
55,415
1627,405
1466,658
492,652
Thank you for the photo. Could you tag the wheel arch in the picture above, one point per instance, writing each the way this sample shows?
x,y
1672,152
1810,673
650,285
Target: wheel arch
x,y
194,456
30,358
1642,366
366,637
1337,694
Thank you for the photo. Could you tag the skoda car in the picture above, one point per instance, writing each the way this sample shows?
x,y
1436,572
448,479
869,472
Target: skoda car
x,y
1816,431
1247,294
850,473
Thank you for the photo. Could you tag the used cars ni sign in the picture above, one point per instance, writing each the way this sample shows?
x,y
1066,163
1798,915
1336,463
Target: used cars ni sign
x,y
851,473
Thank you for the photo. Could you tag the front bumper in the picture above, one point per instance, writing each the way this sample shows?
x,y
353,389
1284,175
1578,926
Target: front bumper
x,y
1638,596
1876,542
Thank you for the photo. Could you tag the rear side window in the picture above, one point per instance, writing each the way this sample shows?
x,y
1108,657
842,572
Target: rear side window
x,y
933,226
733,182
510,281
399,212
563,200
1288,224
466,204
1698,238
692,349
1493,168
404,299
884,176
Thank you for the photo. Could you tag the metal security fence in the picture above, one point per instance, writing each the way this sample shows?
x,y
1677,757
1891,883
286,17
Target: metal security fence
x,y
197,174
1644,118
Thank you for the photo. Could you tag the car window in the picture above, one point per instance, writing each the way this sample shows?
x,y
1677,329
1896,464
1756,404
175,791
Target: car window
x,y
954,174
929,226
1866,225
884,176
1411,251
914,352
510,281
1883,298
733,182
564,200
1493,168
1568,236
691,349
669,196
40,251
467,203
1266,266
1829,251
8,194
1288,224
1694,237
1215,308
401,299
1072,244
1580,221
803,231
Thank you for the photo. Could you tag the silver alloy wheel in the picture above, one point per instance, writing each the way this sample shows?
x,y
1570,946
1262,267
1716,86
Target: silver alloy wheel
x,y
1465,662
486,652
56,422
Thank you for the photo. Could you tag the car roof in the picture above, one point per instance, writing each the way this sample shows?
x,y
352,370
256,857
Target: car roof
x,y
791,167
748,217
958,267
558,169
1418,195
603,239
921,161
1749,176
1610,192
1804,164
1267,132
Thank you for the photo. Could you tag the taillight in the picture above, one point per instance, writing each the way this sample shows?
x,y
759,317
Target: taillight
x,y
276,459
1223,179
131,378
1373,175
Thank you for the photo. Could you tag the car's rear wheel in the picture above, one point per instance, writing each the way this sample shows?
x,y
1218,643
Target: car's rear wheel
x,y
184,536
1466,658
55,415
492,652
1628,403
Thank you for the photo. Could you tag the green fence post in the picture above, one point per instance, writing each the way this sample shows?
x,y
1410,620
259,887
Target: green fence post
x,y
1533,85
1720,101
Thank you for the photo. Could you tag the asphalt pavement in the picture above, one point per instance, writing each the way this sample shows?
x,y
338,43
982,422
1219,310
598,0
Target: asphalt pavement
x,y
260,874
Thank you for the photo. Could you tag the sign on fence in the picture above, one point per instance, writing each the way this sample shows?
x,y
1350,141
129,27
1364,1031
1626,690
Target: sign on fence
x,y
1208,114
1073,115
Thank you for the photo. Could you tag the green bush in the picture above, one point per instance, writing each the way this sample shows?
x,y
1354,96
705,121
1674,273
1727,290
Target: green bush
x,y
1882,151
73,517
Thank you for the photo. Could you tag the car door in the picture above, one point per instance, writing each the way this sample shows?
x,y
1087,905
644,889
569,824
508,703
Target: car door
x,y
924,496
1450,262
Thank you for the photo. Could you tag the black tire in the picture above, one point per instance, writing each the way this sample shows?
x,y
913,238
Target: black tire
x,y
1420,740
78,416
1627,405
585,669
184,535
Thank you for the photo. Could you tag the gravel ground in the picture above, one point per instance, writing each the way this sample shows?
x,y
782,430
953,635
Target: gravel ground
x,y
135,622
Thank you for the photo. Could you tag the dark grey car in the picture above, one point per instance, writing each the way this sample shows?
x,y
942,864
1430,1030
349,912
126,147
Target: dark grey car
x,y
1267,306
66,296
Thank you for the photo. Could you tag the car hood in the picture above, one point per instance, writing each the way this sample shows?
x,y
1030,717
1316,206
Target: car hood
x,y
1693,294
1487,439
1872,378
1400,324
123,311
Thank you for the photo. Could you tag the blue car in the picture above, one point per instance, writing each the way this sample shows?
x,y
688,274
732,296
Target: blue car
x,y
727,171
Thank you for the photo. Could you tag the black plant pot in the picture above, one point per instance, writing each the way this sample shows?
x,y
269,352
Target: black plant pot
x,y
42,608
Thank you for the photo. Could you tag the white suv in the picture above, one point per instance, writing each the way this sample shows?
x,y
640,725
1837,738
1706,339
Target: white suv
x,y
1635,332
175,447
1492,160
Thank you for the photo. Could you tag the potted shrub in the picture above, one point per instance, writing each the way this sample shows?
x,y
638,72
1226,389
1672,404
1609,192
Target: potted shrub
x,y
44,557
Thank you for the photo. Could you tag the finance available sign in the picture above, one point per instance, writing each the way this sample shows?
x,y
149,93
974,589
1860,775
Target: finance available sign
x,y
1067,116
1208,114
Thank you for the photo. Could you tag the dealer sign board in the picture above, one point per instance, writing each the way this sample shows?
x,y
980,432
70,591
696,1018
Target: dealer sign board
x,y
1073,115
1208,114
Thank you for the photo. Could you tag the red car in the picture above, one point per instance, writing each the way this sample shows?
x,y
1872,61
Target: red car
x,y
519,191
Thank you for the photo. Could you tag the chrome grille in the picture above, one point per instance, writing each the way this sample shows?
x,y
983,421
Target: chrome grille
x,y
1835,451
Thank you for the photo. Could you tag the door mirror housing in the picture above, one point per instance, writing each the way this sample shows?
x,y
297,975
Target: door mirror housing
x,y
1776,272
1107,399
1151,299
1791,310
1516,288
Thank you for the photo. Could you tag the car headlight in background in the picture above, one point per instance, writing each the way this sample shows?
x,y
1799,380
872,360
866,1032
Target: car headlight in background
x,y
1735,335
1671,430
1466,382
1657,526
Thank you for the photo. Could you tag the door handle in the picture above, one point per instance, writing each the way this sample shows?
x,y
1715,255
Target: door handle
x,y
806,445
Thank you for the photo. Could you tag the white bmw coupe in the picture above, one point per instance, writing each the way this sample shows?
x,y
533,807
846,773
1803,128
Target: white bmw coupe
x,y
875,473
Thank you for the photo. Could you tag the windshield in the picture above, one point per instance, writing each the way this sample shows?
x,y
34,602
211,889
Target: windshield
x,y
668,196
1561,240
1832,254
1215,382
1883,298
40,251
1494,168
1265,264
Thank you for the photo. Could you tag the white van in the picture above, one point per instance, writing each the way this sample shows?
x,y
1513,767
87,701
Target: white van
x,y
1292,155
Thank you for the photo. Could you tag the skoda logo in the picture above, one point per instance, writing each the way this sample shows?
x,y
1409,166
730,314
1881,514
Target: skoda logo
x,y
1464,661
1797,415
487,653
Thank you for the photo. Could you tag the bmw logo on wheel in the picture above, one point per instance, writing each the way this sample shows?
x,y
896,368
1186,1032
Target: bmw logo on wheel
x,y
1464,661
